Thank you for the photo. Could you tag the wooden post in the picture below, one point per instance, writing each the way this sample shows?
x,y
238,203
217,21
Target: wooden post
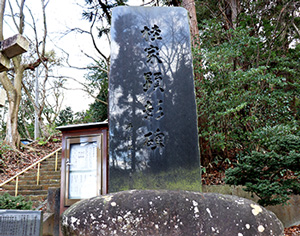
x,y
38,174
16,189
56,157
2,96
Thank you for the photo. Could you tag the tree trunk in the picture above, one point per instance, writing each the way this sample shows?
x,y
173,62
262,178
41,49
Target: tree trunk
x,y
189,5
13,85
14,98
2,8
232,10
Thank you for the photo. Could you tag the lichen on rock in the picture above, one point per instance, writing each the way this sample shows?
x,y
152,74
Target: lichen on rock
x,y
164,212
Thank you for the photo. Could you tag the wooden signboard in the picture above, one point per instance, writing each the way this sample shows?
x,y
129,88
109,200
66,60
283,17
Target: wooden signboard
x,y
84,158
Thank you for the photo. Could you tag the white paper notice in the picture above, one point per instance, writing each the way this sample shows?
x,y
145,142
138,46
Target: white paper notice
x,y
83,170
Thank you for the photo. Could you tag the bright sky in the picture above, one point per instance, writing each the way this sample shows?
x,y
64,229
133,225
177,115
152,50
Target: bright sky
x,y
62,16
67,14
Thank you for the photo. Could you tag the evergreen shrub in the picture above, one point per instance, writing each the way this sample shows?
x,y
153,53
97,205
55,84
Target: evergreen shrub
x,y
272,170
11,202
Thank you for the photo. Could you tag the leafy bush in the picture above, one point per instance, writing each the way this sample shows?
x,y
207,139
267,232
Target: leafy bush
x,y
244,85
10,202
272,171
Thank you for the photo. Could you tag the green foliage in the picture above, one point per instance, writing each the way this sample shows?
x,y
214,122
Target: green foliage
x,y
244,86
42,141
10,202
248,94
65,117
97,80
271,172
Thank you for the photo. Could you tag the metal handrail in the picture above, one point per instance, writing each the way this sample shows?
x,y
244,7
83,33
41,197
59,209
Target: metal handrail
x,y
31,166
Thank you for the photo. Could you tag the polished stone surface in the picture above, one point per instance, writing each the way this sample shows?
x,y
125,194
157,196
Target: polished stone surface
x,y
153,141
20,223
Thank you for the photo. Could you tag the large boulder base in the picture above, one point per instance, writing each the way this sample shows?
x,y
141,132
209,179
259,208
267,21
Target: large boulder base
x,y
163,212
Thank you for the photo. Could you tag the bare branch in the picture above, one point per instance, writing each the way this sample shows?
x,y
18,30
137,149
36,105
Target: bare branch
x,y
296,28
13,15
21,24
93,39
86,89
45,28
2,8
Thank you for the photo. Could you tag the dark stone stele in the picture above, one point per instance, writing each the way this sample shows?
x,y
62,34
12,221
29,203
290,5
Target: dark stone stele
x,y
20,223
153,139
166,212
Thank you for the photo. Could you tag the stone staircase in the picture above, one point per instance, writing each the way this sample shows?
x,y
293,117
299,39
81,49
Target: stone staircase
x,y
27,185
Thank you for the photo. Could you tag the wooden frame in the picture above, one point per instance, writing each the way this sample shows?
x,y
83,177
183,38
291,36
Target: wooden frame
x,y
95,139
83,132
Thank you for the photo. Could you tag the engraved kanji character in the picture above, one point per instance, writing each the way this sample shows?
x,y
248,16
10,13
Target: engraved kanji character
x,y
146,33
153,52
155,140
155,33
148,110
149,140
159,139
159,113
148,81
158,81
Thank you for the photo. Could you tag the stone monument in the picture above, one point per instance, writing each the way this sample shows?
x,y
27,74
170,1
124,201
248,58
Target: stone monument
x,y
153,139
153,142
20,223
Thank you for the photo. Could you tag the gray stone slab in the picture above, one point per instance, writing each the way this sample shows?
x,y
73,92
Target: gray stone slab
x,y
20,223
153,139
14,45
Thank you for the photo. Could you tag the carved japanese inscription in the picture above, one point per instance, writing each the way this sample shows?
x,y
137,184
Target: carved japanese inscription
x,y
152,111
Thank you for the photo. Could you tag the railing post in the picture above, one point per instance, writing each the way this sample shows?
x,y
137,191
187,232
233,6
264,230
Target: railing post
x,y
17,182
56,157
38,174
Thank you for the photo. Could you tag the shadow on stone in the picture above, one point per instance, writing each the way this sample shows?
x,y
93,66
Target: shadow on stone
x,y
163,212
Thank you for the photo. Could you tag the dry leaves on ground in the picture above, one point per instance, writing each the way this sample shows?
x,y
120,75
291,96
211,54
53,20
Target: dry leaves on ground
x,y
292,231
13,162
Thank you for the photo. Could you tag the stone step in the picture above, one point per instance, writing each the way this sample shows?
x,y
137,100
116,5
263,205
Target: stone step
x,y
43,173
28,192
31,187
30,181
49,168
27,182
33,179
44,180
36,198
